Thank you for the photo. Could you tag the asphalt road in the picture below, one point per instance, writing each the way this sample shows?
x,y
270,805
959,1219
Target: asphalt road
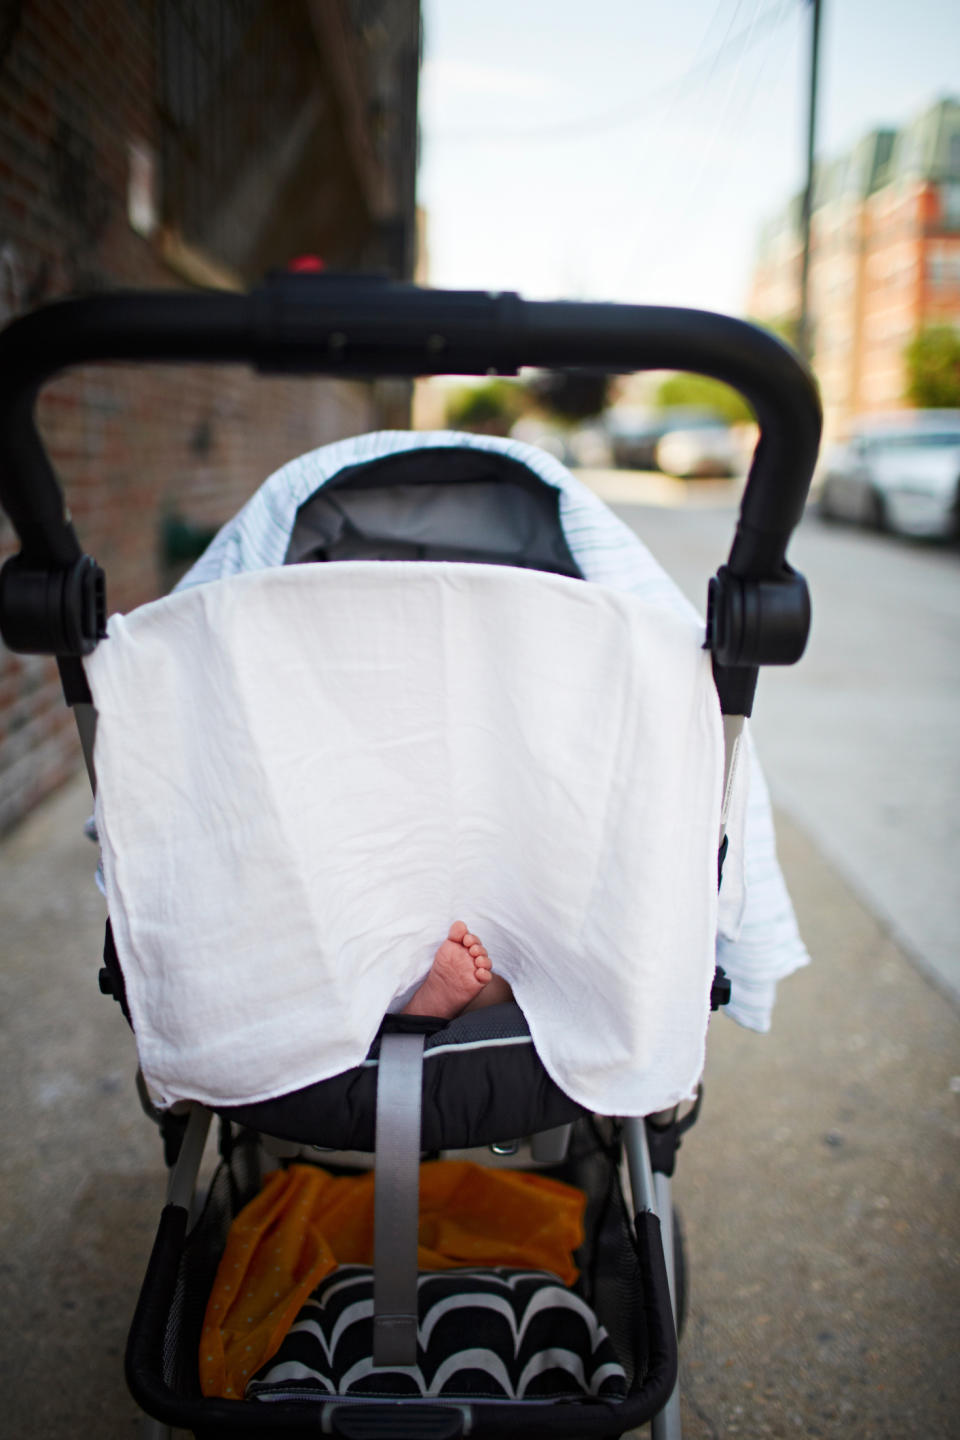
x,y
819,1189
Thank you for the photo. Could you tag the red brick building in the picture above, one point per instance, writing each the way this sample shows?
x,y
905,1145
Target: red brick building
x,y
155,143
885,261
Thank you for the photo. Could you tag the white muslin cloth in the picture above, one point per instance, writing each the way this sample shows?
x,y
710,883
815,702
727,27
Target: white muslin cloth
x,y
306,774
758,941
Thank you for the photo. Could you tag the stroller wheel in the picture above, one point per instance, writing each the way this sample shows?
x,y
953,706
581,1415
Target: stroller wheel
x,y
679,1271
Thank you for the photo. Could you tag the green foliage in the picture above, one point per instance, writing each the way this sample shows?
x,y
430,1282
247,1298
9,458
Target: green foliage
x,y
699,392
786,328
571,395
491,408
933,368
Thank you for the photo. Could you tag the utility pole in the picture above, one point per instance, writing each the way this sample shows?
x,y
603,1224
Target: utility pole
x,y
804,326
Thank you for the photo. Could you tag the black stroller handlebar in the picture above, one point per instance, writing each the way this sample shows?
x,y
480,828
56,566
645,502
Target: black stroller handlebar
x,y
358,326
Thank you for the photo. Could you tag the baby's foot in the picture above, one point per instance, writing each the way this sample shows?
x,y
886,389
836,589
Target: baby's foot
x,y
460,970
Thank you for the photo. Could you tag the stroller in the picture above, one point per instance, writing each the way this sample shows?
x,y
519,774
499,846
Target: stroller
x,y
424,1089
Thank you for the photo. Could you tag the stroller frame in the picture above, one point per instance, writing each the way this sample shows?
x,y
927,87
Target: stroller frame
x,y
52,601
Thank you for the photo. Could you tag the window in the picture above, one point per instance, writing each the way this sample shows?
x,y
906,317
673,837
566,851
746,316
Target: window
x,y
953,163
943,266
950,200
235,78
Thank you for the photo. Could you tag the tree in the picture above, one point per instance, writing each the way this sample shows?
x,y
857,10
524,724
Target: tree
x,y
490,408
700,392
784,327
933,368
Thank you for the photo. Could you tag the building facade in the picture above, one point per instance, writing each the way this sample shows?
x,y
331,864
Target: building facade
x,y
884,263
186,143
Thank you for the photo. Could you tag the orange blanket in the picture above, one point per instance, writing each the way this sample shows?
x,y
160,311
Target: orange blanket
x,y
305,1222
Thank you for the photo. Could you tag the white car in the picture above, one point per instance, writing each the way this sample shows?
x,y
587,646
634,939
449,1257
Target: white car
x,y
590,446
899,472
691,454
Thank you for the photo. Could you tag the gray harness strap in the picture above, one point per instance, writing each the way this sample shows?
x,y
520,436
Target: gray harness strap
x,y
396,1202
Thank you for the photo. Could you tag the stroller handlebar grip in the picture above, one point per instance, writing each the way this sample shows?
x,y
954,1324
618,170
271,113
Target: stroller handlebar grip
x,y
361,326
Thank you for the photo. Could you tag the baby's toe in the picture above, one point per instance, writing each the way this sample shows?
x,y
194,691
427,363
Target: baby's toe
x,y
458,932
476,950
482,974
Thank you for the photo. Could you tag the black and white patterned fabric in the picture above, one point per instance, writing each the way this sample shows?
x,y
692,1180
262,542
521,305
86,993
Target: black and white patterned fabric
x,y
495,1334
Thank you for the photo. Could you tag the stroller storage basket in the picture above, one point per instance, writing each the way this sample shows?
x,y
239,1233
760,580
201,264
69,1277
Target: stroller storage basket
x,y
623,1277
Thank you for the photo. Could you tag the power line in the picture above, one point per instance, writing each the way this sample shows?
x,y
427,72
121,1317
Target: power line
x,y
623,115
693,189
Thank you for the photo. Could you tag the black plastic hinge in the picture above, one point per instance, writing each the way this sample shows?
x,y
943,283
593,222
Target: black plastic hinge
x,y
49,610
721,989
757,622
111,975
172,1130
664,1140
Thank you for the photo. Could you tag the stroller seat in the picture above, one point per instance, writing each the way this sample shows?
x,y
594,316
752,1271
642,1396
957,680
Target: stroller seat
x,y
483,1083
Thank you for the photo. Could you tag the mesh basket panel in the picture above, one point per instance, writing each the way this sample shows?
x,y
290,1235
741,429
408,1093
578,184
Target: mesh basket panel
x,y
610,1275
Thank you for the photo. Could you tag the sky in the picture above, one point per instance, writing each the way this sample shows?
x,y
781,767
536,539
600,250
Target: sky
x,y
626,150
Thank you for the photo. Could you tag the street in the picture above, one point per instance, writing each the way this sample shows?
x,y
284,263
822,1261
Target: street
x,y
818,1192
860,739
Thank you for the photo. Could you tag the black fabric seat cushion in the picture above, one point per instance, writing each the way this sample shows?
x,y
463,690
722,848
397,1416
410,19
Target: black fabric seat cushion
x,y
483,1082
503,1334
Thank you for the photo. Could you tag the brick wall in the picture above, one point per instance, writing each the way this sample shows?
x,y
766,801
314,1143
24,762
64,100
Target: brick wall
x,y
131,445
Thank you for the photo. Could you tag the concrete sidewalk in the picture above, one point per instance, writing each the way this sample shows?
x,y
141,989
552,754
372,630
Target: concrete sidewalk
x,y
818,1192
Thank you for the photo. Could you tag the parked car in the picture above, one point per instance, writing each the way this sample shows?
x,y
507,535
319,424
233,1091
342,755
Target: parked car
x,y
698,453
546,436
635,433
590,446
899,472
